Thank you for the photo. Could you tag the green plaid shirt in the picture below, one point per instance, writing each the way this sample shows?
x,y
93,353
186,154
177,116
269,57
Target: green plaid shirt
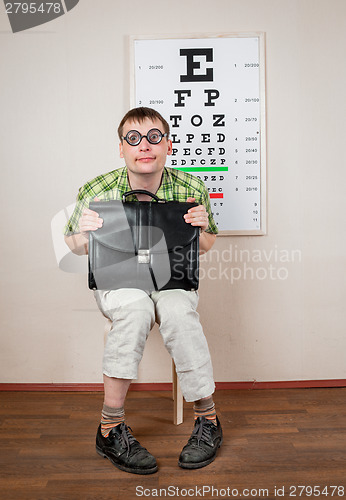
x,y
175,186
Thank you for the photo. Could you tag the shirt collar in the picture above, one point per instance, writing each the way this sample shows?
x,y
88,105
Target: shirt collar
x,y
165,190
125,185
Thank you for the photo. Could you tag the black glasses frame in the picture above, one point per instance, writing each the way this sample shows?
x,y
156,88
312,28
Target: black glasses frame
x,y
161,135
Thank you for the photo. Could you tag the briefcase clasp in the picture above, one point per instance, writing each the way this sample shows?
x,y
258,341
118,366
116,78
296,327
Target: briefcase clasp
x,y
143,257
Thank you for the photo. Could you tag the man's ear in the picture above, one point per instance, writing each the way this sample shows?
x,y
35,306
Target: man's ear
x,y
170,147
121,150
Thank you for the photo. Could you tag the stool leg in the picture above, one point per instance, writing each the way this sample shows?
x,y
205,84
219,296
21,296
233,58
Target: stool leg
x,y
178,398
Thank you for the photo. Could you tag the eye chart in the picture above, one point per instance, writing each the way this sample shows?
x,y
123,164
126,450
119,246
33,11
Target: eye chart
x,y
211,92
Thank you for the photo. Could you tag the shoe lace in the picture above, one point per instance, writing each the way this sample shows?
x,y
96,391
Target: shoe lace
x,y
126,437
202,431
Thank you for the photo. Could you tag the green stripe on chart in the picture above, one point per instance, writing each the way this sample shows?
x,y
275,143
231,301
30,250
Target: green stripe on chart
x,y
203,169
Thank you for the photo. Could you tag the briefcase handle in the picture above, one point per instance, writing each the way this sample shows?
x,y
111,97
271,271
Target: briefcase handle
x,y
142,191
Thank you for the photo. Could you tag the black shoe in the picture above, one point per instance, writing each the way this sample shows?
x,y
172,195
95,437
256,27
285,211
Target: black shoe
x,y
202,446
124,451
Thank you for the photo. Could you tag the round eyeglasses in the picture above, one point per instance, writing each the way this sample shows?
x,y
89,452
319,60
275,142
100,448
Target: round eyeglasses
x,y
154,136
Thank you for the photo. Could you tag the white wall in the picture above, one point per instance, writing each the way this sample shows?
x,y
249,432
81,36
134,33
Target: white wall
x,y
64,88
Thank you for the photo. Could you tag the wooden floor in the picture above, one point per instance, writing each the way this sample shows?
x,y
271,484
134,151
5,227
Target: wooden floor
x,y
272,439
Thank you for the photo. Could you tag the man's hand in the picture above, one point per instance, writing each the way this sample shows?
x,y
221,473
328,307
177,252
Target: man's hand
x,y
197,216
89,221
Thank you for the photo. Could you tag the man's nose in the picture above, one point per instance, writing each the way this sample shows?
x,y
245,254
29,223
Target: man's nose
x,y
144,144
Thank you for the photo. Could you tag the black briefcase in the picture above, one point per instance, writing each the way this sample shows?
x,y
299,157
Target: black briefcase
x,y
143,244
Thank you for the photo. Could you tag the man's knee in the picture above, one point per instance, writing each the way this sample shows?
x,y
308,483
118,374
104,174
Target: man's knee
x,y
177,308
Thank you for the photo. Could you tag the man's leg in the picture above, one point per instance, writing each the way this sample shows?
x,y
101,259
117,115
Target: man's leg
x,y
113,412
115,390
185,341
132,315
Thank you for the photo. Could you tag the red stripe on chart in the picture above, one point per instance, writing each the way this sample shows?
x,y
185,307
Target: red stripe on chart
x,y
216,195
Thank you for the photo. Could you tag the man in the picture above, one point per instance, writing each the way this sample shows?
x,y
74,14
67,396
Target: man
x,y
144,145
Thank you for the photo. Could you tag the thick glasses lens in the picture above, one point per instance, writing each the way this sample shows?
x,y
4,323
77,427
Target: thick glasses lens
x,y
133,137
154,136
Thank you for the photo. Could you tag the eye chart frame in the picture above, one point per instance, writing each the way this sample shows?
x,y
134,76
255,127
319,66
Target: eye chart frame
x,y
211,90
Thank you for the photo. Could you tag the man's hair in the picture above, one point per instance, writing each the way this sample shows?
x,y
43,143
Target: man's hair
x,y
139,115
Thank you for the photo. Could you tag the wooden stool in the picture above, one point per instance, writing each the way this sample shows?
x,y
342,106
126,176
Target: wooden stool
x,y
178,411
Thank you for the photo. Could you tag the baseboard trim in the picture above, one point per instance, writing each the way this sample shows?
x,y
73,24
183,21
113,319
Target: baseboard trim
x,y
247,385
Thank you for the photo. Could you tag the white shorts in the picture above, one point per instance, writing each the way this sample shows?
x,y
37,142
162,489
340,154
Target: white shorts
x,y
133,313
